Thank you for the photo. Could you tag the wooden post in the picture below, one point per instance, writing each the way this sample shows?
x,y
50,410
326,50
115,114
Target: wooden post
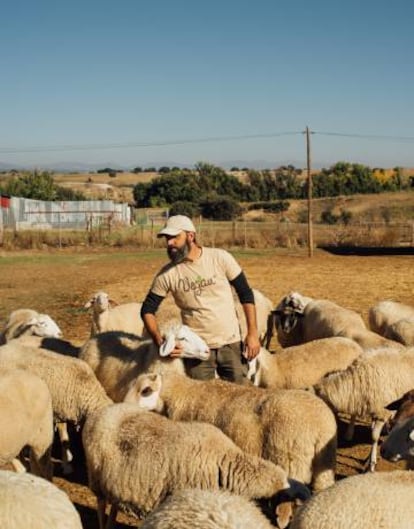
x,y
308,162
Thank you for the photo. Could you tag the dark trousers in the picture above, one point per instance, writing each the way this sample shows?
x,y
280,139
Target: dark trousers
x,y
227,361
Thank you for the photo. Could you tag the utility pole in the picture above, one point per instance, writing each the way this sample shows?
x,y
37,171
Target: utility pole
x,y
308,164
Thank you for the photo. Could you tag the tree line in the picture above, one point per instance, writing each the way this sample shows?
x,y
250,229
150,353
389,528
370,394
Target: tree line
x,y
215,193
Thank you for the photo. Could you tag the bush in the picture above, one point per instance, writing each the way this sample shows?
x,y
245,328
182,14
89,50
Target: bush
x,y
184,208
221,208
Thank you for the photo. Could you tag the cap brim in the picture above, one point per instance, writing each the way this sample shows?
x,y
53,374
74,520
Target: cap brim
x,y
168,232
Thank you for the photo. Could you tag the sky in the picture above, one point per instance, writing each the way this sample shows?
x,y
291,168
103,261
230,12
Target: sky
x,y
137,83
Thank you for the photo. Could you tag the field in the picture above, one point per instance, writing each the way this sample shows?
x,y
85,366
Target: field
x,y
60,282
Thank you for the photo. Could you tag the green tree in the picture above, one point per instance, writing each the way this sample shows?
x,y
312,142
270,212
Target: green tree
x,y
221,208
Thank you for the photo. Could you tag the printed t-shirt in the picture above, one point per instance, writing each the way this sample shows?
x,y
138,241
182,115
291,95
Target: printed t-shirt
x,y
202,291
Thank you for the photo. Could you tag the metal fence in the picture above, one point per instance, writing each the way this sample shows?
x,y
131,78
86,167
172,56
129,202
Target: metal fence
x,y
23,213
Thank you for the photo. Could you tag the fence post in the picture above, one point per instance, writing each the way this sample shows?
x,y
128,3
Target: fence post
x,y
245,233
152,233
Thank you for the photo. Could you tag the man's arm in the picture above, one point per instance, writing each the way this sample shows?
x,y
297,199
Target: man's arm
x,y
246,297
148,310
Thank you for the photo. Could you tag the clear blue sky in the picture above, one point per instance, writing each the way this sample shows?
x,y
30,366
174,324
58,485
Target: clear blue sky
x,y
94,72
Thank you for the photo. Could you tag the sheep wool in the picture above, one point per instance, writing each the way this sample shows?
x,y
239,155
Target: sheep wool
x,y
26,419
304,365
30,502
376,500
136,458
292,428
205,509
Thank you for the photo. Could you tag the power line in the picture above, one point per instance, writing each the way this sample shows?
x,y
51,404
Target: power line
x,y
366,136
104,146
208,139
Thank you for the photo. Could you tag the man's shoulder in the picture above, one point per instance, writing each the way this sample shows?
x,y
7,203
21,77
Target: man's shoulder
x,y
165,269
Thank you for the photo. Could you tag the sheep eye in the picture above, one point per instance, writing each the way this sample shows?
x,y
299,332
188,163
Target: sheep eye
x,y
146,391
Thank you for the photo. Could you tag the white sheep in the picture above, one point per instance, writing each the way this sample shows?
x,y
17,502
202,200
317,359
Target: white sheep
x,y
300,319
402,331
118,358
23,323
205,509
107,315
26,419
386,313
379,500
363,390
136,459
304,365
71,382
39,330
291,428
30,502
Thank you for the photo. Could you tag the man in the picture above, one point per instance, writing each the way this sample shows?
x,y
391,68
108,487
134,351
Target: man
x,y
200,281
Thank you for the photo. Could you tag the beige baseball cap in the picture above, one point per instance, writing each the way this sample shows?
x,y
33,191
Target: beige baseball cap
x,y
175,225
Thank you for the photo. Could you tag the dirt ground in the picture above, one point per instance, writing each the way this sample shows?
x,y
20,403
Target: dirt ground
x,y
60,283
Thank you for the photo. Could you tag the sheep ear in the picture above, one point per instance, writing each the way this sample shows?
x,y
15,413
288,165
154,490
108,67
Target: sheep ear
x,y
89,303
168,346
395,405
113,302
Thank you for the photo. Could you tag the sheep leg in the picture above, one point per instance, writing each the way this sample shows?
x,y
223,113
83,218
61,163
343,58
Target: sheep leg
x,y
350,431
101,512
377,425
18,466
66,454
112,517
41,463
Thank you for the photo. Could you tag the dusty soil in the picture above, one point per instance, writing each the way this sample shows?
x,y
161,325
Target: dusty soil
x,y
60,283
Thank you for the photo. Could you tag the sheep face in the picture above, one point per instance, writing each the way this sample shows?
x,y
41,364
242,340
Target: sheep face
x,y
43,325
289,311
100,302
400,442
193,346
145,391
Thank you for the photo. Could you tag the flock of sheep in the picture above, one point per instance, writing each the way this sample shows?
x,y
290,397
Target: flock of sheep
x,y
184,453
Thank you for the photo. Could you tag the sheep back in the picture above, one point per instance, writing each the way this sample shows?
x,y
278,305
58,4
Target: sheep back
x,y
205,509
304,365
380,499
28,502
136,458
117,358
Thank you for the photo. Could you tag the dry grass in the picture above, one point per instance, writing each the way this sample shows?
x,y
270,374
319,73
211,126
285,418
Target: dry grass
x,y
59,282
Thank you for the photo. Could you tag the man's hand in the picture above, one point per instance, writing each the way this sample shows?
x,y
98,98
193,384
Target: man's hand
x,y
177,351
251,346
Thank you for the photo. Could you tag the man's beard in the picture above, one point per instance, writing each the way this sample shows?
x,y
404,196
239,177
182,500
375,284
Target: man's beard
x,y
177,255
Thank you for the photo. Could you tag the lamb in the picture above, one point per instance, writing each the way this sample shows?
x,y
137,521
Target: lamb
x,y
364,389
30,502
23,323
304,365
118,358
291,428
136,458
300,319
26,419
124,317
206,509
382,499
